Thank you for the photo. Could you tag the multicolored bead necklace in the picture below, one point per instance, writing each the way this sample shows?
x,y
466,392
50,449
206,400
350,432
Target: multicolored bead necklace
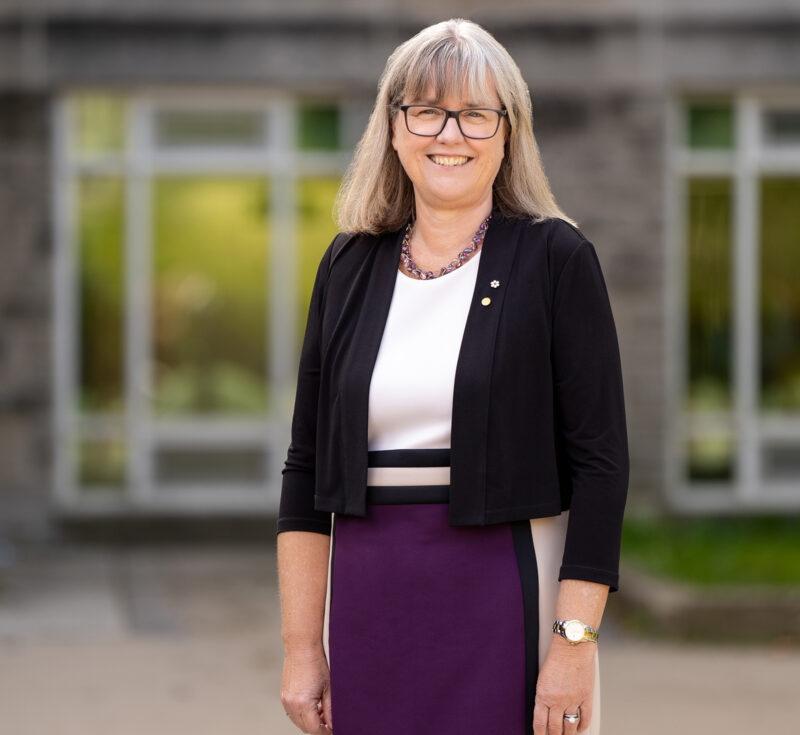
x,y
457,262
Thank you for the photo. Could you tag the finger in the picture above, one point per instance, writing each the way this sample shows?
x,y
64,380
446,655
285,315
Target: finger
x,y
555,721
295,712
540,712
309,718
570,728
296,720
320,724
327,707
323,728
323,725
586,717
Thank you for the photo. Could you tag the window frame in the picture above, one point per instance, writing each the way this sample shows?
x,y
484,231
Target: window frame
x,y
279,160
745,163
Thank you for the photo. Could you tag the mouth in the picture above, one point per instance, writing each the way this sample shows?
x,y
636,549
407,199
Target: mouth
x,y
450,161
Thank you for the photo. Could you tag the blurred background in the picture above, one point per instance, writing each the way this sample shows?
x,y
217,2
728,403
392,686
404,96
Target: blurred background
x,y
167,175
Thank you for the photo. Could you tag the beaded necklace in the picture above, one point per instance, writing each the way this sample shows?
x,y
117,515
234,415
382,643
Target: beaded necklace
x,y
457,262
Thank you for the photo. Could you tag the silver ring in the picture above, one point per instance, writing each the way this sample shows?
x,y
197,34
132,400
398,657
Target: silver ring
x,y
572,719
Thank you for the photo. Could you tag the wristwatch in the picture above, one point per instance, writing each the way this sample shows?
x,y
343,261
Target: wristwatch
x,y
575,631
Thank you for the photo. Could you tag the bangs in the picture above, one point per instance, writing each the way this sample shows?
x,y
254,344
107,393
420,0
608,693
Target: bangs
x,y
451,66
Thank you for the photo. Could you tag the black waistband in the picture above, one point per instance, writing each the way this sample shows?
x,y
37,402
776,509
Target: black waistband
x,y
407,494
409,458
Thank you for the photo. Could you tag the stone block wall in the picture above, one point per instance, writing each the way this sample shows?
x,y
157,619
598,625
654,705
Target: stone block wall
x,y
25,314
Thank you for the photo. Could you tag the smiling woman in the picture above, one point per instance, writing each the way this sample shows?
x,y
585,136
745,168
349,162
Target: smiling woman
x,y
460,412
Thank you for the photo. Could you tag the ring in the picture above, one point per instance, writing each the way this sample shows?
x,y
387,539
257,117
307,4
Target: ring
x,y
572,719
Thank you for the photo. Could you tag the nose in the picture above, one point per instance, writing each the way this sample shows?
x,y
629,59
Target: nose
x,y
450,132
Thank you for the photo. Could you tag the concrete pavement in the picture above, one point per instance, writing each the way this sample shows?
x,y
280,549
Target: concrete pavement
x,y
158,640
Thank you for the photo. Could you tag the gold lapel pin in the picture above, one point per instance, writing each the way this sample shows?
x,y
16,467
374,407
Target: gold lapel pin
x,y
486,301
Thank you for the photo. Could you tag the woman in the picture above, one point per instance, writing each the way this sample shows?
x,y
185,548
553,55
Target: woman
x,y
460,412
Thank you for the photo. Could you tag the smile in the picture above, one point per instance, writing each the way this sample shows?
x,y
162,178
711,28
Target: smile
x,y
450,161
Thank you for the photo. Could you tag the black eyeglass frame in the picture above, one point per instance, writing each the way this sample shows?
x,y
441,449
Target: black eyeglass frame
x,y
454,114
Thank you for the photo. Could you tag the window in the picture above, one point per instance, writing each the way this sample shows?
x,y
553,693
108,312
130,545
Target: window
x,y
737,175
210,128
782,127
189,230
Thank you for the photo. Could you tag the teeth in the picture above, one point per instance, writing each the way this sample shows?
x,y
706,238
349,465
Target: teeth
x,y
450,160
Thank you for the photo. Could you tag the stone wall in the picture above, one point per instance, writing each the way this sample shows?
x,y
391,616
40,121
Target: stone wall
x,y
603,156
25,314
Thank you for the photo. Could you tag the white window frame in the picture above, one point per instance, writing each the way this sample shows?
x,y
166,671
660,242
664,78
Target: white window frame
x,y
745,163
283,164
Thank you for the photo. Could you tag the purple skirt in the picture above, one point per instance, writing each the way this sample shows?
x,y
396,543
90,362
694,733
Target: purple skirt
x,y
432,628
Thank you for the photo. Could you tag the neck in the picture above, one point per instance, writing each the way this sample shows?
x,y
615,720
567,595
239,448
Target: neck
x,y
442,233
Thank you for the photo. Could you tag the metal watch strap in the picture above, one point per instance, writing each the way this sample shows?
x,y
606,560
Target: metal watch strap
x,y
589,633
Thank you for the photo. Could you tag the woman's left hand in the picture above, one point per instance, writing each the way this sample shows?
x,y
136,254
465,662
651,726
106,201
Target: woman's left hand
x,y
565,686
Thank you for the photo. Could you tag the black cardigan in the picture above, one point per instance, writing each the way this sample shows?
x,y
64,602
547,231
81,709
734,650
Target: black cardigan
x,y
538,421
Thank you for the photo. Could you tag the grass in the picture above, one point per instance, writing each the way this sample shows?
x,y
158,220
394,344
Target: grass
x,y
716,551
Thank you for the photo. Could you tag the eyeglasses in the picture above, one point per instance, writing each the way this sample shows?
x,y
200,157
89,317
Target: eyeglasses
x,y
473,122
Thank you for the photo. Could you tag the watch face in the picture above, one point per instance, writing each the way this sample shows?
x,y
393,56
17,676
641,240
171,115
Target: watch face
x,y
574,630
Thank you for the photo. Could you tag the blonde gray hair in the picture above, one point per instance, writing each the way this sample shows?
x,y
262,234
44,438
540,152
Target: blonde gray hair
x,y
456,56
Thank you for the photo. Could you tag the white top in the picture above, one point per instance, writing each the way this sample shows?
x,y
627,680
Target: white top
x,y
411,391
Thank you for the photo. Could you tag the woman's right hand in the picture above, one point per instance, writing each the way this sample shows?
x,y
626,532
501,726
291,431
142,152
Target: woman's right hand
x,y
306,691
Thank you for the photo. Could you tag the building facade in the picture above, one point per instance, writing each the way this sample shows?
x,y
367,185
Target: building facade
x,y
167,175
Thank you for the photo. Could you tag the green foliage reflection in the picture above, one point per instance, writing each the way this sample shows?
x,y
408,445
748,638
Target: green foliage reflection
x,y
316,230
101,293
709,292
780,294
100,121
711,125
210,265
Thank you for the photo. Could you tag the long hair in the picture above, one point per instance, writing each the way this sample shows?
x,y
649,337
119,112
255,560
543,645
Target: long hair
x,y
456,57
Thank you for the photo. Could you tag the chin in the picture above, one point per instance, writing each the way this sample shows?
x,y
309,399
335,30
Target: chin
x,y
449,197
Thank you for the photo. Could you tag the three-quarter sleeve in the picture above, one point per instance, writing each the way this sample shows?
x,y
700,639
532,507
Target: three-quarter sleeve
x,y
590,416
297,511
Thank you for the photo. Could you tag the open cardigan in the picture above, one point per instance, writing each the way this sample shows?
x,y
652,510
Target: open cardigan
x,y
538,420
